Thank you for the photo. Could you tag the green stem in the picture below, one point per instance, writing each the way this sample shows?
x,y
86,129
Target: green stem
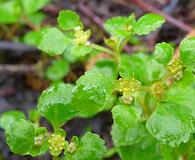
x,y
100,48
111,152
141,100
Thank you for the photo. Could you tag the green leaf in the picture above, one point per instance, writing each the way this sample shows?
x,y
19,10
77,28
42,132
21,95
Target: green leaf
x,y
163,52
20,137
91,93
120,26
91,147
147,149
187,52
127,128
148,23
53,41
69,20
182,96
58,70
107,67
32,6
54,104
31,38
9,117
9,12
142,66
171,124
80,50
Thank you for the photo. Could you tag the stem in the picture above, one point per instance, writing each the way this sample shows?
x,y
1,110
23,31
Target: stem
x,y
100,48
111,152
143,105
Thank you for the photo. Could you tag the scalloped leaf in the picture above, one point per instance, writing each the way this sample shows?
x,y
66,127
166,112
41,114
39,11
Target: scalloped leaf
x,y
91,93
54,104
163,52
69,20
9,117
20,137
53,41
187,52
171,124
127,128
148,23
90,147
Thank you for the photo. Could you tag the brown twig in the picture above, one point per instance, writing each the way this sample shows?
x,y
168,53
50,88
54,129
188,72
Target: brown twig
x,y
20,68
17,47
85,10
6,91
149,8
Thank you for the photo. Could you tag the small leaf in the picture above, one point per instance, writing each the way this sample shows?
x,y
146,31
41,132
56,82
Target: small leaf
x,y
90,147
9,117
163,52
127,128
148,23
31,38
80,50
53,41
91,93
58,70
54,104
171,124
120,26
187,52
20,137
32,6
9,12
68,20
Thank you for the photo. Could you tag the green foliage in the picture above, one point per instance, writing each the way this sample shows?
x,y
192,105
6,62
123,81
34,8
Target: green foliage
x,y
31,6
91,146
148,23
120,27
20,137
13,10
187,52
68,20
9,117
171,124
9,12
149,70
151,97
163,52
55,38
57,70
54,104
147,149
127,128
88,92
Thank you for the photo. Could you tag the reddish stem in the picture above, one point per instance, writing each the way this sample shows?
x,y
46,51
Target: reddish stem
x,y
149,8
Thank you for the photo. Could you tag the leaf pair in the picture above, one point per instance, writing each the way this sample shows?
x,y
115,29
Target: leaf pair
x,y
124,27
